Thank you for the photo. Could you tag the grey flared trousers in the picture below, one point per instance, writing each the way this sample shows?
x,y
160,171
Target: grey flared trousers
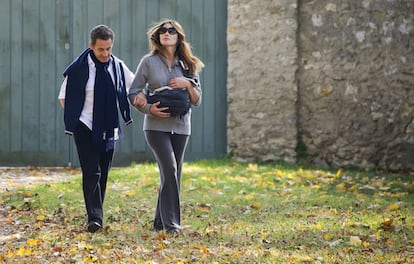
x,y
168,149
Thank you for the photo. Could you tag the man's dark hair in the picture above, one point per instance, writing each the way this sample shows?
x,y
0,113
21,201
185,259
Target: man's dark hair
x,y
101,32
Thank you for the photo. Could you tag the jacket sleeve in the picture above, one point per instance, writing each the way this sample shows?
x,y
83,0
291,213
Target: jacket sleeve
x,y
139,83
122,93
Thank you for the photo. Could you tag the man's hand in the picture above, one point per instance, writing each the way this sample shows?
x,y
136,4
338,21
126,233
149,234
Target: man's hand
x,y
140,100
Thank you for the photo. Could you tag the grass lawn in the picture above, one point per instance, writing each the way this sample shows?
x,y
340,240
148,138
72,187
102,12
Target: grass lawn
x,y
231,213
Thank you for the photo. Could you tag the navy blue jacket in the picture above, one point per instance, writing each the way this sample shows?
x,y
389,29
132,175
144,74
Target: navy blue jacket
x,y
78,74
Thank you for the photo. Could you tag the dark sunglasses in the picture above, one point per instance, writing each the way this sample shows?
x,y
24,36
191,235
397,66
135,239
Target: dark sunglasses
x,y
171,30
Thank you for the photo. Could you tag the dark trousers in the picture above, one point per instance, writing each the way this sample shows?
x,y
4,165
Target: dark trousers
x,y
95,167
169,151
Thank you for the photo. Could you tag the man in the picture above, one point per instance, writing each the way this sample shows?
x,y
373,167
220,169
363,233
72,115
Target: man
x,y
92,92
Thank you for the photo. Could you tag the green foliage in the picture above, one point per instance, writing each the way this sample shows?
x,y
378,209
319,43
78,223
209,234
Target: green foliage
x,y
231,213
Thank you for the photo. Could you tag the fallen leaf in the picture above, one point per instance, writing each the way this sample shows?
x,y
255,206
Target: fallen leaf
x,y
355,241
33,242
328,236
252,167
40,217
387,225
256,205
338,174
58,249
393,206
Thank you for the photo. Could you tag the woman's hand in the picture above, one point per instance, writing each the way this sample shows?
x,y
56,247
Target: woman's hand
x,y
180,82
158,111
140,100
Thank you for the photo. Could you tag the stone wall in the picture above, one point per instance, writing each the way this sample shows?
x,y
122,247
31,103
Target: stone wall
x,y
328,81
262,91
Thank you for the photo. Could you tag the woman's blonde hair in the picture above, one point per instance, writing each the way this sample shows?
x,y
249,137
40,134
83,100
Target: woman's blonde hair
x,y
183,51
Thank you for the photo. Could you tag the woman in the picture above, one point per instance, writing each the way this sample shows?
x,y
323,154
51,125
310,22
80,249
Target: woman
x,y
167,135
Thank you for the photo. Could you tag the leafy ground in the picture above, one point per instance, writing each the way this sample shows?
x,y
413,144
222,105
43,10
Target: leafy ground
x,y
231,213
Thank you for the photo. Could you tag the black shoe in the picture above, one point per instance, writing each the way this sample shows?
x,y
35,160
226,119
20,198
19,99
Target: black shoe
x,y
174,231
94,226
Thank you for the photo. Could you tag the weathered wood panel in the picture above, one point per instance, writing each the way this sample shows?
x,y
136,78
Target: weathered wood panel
x,y
41,37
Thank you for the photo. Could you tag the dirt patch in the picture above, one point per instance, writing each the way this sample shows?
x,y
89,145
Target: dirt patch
x,y
13,177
